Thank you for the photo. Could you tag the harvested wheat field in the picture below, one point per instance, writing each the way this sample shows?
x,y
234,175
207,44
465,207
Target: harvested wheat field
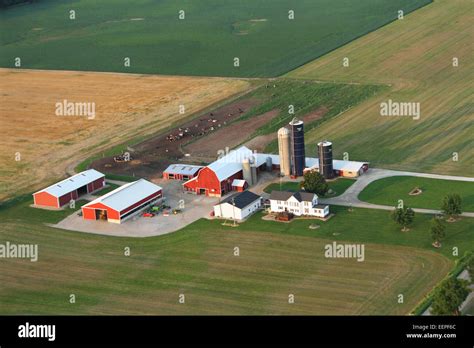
x,y
38,146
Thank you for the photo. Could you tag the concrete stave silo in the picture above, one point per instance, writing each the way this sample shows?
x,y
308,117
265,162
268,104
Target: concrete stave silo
x,y
247,171
284,151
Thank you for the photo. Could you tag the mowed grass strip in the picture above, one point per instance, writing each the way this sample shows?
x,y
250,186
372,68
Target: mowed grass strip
x,y
200,264
414,55
389,190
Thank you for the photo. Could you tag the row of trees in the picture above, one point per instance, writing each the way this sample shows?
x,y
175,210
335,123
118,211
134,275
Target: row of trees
x,y
449,297
404,216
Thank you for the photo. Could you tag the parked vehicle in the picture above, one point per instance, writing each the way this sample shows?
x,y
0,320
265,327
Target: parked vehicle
x,y
148,214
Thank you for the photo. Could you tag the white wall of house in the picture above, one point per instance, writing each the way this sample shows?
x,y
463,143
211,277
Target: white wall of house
x,y
292,205
228,211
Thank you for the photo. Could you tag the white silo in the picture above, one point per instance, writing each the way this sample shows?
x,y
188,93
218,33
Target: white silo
x,y
253,168
284,151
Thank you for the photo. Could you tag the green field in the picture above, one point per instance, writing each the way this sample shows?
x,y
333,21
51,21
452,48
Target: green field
x,y
389,190
204,43
306,97
338,186
414,55
198,261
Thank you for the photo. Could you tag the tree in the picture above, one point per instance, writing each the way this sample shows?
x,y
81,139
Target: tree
x,y
470,268
404,217
452,205
449,297
314,182
438,231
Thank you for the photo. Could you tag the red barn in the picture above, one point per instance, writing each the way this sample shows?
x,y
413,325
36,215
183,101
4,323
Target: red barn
x,y
123,202
216,179
63,192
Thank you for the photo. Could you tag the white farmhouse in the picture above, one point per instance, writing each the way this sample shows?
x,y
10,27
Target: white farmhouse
x,y
297,203
238,206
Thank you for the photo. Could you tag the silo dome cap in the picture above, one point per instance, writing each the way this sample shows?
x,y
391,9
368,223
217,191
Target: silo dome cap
x,y
283,131
325,143
296,122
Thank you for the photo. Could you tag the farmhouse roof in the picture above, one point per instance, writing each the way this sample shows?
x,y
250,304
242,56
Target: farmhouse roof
x,y
127,195
73,183
286,195
242,199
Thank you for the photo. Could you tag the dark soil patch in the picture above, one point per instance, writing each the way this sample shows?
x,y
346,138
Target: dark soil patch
x,y
151,157
230,136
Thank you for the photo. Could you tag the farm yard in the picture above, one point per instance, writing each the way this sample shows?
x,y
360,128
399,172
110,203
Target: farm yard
x,y
127,106
415,56
389,190
138,112
198,261
204,42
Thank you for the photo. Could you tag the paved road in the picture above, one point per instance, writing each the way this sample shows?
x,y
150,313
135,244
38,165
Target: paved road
x,y
350,197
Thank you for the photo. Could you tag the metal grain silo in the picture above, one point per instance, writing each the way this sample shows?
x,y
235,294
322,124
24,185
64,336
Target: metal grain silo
x,y
284,151
325,159
269,164
247,171
298,157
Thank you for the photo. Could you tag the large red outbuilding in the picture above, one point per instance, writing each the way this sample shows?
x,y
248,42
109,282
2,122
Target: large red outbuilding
x,y
216,179
61,193
123,202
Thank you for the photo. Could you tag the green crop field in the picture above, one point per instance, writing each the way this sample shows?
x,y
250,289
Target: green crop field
x,y
198,261
205,42
415,55
306,97
389,190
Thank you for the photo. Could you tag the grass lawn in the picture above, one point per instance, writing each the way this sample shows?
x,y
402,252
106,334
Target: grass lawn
x,y
198,261
339,186
20,210
368,226
389,190
206,42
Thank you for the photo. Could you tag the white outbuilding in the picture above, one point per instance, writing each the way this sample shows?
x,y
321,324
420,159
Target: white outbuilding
x,y
238,206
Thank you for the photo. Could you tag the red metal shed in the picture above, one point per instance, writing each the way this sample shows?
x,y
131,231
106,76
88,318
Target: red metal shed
x,y
123,202
63,192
